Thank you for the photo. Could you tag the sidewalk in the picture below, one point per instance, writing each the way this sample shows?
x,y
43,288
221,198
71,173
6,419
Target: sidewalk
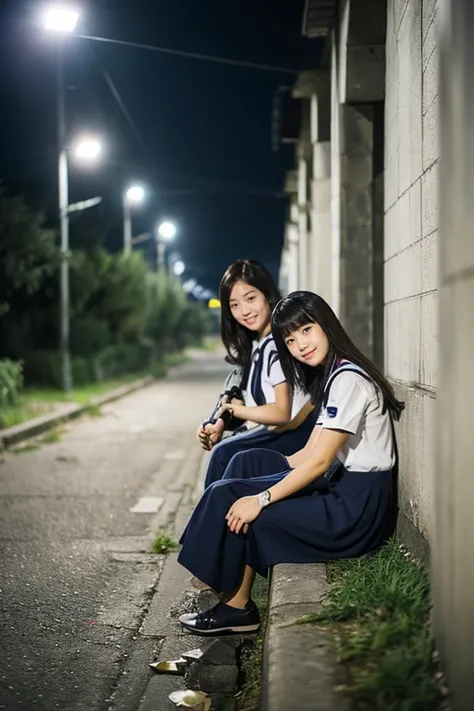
x,y
63,412
160,637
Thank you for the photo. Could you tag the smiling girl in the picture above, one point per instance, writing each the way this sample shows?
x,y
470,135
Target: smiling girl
x,y
298,513
275,417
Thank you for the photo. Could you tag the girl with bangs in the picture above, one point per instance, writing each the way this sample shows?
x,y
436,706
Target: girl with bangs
x,y
271,414
332,499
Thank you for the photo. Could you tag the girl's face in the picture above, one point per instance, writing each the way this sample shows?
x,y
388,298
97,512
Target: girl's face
x,y
309,344
250,308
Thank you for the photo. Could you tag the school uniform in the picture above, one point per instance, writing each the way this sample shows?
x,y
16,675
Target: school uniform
x,y
347,517
264,375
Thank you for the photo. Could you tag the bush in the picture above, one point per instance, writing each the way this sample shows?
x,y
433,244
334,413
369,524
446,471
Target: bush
x,y
83,371
119,360
11,382
89,336
43,368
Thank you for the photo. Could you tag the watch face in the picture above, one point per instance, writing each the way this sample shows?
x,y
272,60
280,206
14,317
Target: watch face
x,y
264,498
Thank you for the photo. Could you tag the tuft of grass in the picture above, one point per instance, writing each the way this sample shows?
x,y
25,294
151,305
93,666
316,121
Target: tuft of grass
x,y
248,698
163,544
51,437
378,610
93,410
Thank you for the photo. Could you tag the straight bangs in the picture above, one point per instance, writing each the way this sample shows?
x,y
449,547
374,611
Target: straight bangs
x,y
292,313
290,316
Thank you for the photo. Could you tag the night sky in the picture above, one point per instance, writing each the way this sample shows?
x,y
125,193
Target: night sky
x,y
204,144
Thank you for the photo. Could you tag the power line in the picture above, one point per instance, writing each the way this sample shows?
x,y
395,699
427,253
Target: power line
x,y
123,109
192,55
210,185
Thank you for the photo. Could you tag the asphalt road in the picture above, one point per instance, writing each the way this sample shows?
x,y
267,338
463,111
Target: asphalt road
x,y
76,575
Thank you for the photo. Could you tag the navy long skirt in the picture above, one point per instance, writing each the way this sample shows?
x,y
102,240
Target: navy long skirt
x,y
346,520
286,443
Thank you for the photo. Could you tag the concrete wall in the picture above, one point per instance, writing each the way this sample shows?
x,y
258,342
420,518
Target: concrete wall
x,y
377,251
453,541
411,242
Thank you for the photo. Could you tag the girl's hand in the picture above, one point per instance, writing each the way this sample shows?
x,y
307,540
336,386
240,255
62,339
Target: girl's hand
x,y
236,410
243,512
210,435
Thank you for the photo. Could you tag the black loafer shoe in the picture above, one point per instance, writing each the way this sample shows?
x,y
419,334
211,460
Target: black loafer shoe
x,y
222,620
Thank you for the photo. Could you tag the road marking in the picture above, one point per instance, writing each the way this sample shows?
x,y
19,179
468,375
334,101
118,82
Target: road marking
x,y
147,504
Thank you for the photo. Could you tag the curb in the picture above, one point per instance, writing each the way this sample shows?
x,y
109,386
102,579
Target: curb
x,y
299,665
38,425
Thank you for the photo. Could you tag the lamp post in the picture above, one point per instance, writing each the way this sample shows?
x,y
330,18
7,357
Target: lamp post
x,y
134,195
86,149
63,20
165,233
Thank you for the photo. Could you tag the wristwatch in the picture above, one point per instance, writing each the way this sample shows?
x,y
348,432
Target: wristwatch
x,y
264,498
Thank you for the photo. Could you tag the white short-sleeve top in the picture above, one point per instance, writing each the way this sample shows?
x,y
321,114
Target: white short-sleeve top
x,y
265,373
354,404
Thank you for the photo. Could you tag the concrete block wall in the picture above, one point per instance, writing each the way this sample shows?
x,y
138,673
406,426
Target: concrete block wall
x,y
411,242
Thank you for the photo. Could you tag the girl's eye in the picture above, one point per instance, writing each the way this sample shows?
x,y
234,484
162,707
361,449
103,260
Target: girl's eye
x,y
232,306
251,298
289,342
306,329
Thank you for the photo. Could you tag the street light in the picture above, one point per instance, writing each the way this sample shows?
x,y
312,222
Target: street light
x,y
178,268
134,195
88,149
60,18
167,230
165,233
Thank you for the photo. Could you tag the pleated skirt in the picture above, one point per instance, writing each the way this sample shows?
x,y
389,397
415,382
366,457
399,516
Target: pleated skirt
x,y
350,517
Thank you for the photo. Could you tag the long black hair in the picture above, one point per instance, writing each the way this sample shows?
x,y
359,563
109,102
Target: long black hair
x,y
302,308
236,338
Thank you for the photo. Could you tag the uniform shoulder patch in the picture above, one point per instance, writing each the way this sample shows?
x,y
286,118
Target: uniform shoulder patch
x,y
331,411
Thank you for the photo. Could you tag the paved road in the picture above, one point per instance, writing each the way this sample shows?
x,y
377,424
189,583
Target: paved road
x,y
76,577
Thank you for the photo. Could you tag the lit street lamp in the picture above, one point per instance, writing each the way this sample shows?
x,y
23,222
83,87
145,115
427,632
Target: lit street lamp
x,y
165,233
178,268
59,18
134,195
88,149
62,19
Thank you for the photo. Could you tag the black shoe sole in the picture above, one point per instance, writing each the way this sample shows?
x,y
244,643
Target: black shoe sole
x,y
222,631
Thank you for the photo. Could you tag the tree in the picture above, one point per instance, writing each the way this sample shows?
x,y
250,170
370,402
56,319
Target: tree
x,y
28,252
108,299
165,305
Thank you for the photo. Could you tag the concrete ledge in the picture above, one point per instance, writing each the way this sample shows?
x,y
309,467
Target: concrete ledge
x,y
300,670
68,411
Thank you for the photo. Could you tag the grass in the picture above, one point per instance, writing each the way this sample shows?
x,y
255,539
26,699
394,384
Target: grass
x,y
38,401
163,544
248,698
378,610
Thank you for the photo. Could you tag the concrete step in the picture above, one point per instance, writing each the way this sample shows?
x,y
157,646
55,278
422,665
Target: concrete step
x,y
300,670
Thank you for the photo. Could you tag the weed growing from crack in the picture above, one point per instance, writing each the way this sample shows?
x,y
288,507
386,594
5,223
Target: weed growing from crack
x,y
163,544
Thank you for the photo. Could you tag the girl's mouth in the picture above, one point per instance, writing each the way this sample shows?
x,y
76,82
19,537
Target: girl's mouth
x,y
307,356
250,321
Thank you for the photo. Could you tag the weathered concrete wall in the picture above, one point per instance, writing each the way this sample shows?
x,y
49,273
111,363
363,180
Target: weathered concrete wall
x,y
356,207
453,546
411,242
